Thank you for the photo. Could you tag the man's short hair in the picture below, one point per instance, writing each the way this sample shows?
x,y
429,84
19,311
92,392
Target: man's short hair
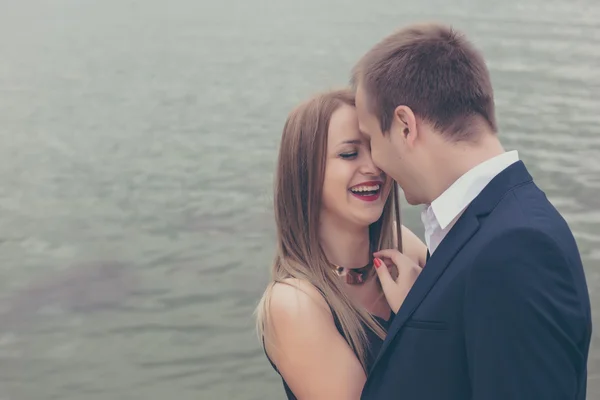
x,y
435,71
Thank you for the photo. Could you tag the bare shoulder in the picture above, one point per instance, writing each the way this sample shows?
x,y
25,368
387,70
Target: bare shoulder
x,y
297,298
305,345
413,247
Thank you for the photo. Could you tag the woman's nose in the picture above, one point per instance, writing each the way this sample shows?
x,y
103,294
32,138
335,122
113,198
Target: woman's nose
x,y
369,168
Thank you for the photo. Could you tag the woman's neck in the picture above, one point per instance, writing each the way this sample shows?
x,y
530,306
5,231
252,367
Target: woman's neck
x,y
350,248
344,246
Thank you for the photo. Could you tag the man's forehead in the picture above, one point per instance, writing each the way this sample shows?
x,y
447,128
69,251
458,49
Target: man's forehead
x,y
361,111
362,129
361,100
360,93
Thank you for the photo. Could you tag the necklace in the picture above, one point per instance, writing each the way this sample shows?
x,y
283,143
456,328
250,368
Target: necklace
x,y
354,276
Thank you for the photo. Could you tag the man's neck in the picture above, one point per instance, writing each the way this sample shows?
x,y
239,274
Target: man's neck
x,y
457,159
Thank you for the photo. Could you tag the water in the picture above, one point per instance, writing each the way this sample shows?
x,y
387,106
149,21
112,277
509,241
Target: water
x,y
138,145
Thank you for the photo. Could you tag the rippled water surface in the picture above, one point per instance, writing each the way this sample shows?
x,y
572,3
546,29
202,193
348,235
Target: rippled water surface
x,y
138,140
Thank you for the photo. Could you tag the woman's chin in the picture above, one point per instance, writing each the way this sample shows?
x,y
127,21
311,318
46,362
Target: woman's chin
x,y
368,217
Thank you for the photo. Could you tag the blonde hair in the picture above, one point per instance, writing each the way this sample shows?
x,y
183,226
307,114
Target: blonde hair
x,y
297,203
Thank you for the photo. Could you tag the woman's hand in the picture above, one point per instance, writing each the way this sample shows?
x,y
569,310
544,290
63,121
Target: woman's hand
x,y
408,271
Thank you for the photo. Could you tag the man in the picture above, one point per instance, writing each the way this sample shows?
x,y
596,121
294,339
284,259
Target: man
x,y
501,310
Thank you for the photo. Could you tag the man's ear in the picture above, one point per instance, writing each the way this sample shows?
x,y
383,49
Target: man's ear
x,y
405,124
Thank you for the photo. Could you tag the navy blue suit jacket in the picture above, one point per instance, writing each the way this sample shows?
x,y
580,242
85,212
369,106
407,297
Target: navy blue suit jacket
x,y
501,310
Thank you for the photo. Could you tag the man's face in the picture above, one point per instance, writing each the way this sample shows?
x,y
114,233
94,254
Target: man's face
x,y
369,125
387,151
383,151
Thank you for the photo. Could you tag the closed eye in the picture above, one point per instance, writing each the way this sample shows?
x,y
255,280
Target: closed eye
x,y
349,156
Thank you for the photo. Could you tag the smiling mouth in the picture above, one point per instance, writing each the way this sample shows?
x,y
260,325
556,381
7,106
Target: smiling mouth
x,y
369,191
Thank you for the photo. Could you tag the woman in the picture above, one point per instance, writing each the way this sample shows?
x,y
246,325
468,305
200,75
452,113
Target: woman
x,y
323,317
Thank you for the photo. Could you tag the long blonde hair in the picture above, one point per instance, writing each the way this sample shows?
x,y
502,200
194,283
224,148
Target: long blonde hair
x,y
297,204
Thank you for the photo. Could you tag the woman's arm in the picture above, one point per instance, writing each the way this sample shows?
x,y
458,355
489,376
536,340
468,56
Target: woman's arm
x,y
413,247
305,345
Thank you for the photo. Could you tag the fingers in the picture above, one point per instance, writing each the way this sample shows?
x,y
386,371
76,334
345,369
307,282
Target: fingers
x,y
387,284
389,253
397,258
395,291
400,260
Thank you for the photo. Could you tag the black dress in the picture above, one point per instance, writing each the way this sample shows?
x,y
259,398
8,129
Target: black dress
x,y
372,351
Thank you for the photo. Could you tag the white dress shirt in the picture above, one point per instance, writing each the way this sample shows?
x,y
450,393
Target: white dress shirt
x,y
439,216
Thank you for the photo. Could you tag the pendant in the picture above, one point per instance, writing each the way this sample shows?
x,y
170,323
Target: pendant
x,y
356,276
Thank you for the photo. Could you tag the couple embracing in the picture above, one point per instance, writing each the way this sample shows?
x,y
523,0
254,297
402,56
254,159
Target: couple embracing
x,y
493,305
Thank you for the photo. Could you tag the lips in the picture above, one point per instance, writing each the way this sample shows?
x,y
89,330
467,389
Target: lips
x,y
367,191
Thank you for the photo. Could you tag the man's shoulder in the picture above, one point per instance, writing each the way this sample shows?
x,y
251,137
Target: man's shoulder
x,y
527,210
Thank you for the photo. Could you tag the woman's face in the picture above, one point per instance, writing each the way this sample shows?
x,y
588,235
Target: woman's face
x,y
354,189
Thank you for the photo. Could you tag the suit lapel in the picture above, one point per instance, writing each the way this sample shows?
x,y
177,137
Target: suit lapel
x,y
462,231
459,235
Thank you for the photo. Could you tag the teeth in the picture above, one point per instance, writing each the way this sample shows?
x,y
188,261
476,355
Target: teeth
x,y
365,188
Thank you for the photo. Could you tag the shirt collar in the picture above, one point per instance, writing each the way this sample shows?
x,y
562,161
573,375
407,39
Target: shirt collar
x,y
466,188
